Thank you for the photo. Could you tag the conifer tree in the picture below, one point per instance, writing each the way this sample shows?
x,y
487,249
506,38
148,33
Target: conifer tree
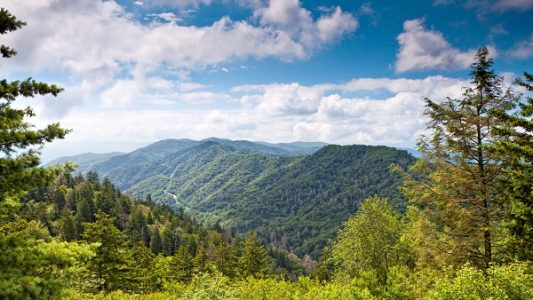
x,y
112,263
456,187
19,141
254,260
182,264
67,226
25,272
515,149
156,245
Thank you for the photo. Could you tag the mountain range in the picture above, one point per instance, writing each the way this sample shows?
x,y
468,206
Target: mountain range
x,y
294,195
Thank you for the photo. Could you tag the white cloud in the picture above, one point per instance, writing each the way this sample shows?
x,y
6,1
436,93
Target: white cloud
x,y
99,43
85,36
272,112
523,49
423,49
289,16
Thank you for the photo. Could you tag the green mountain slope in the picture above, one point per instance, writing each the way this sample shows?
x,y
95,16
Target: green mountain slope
x,y
293,202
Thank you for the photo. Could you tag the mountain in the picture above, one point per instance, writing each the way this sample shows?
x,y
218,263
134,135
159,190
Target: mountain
x,y
293,202
85,160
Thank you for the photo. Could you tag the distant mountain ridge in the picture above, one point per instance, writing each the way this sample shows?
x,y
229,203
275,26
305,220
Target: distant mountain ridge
x,y
294,195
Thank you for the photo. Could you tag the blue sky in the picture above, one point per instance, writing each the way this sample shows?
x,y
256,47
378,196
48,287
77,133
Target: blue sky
x,y
346,72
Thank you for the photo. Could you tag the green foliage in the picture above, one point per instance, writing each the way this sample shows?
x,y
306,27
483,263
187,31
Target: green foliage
x,y
371,241
30,266
513,281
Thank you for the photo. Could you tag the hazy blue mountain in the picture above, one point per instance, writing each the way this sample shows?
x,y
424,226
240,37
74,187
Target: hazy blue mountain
x,y
297,148
85,161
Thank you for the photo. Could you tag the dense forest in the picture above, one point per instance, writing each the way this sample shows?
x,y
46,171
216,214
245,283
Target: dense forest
x,y
465,233
297,203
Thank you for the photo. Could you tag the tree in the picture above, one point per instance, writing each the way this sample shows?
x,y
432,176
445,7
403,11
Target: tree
x,y
156,245
254,260
67,226
515,149
182,264
112,263
456,187
370,241
19,171
25,271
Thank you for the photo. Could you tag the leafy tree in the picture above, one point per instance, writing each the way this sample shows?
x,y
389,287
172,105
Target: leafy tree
x,y
515,149
457,186
370,241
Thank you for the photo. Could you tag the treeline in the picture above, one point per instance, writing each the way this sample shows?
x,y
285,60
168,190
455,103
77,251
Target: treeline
x,y
141,245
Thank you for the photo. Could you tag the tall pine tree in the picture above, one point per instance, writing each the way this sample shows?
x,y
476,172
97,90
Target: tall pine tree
x,y
456,186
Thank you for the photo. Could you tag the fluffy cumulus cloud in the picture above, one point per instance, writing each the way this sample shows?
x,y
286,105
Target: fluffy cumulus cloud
x,y
423,49
100,42
93,35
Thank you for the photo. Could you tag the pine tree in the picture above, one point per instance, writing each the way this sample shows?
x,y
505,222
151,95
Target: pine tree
x,y
254,260
19,171
182,264
515,149
456,187
85,202
225,259
25,272
67,226
112,263
156,245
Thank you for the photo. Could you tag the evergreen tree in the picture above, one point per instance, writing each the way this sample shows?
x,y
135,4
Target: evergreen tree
x,y
156,245
457,187
85,202
25,271
106,198
225,259
112,263
19,171
254,260
143,275
182,264
136,228
67,226
515,149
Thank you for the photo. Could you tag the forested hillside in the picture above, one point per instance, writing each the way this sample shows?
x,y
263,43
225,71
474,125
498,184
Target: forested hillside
x,y
295,203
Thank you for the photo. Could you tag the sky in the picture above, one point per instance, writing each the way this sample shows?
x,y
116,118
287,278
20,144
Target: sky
x,y
343,72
